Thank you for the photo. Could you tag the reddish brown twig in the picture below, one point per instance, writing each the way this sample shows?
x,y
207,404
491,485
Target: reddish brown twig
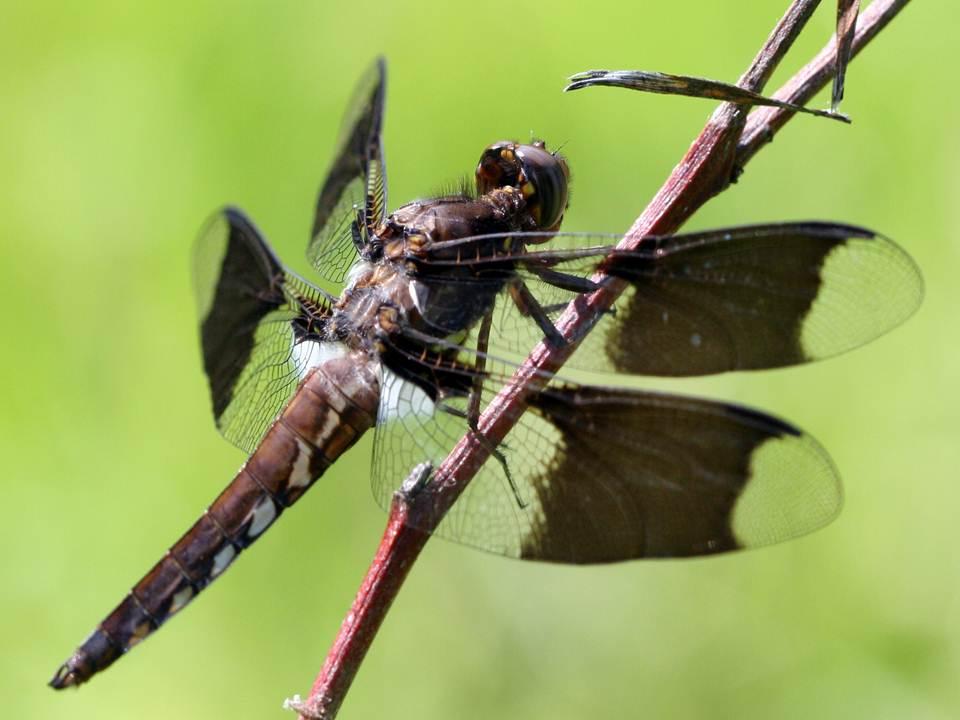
x,y
764,123
729,140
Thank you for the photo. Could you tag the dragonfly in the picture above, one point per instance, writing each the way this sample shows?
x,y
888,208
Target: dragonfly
x,y
442,298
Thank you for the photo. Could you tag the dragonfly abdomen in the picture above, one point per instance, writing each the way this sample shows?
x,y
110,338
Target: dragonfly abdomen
x,y
334,405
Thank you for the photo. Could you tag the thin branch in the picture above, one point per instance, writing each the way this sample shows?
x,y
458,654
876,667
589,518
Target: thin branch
x,y
777,45
764,123
399,547
726,143
847,11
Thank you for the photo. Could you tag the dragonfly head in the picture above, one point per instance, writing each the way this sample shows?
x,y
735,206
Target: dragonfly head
x,y
542,177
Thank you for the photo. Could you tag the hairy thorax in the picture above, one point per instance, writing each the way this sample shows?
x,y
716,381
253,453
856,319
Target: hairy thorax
x,y
391,288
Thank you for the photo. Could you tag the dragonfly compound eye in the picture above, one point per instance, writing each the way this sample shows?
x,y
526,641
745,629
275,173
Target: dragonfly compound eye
x,y
540,175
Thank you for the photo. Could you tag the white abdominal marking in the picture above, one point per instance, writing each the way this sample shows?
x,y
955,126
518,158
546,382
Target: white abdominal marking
x,y
329,422
222,560
264,513
300,474
180,599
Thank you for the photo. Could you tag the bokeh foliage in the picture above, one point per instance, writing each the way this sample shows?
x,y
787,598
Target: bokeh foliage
x,y
123,125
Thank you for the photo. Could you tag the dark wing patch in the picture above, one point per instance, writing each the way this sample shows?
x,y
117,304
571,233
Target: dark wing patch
x,y
639,474
607,474
252,312
757,297
247,286
353,198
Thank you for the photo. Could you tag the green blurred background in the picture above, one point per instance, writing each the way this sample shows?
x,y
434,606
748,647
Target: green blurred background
x,y
123,126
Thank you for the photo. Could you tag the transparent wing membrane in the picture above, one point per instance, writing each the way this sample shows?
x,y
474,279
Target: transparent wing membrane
x,y
353,198
601,474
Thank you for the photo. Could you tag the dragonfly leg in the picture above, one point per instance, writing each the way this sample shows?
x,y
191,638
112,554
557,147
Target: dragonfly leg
x,y
472,414
473,406
530,307
495,452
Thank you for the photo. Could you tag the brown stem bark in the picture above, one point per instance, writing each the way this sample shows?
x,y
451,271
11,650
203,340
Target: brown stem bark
x,y
764,123
730,139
